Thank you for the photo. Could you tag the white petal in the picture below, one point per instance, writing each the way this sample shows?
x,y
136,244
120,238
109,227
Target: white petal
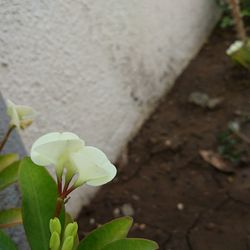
x,y
12,113
25,112
39,159
93,166
105,179
54,148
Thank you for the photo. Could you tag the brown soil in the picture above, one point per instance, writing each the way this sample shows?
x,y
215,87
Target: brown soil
x,y
180,200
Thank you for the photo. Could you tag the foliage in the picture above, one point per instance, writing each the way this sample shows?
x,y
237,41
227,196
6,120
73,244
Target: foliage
x,y
227,20
229,146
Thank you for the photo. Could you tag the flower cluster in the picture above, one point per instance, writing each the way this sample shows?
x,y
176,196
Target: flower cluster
x,y
67,240
70,156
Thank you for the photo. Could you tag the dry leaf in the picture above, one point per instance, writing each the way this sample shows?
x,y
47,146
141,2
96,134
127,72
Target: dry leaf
x,y
216,161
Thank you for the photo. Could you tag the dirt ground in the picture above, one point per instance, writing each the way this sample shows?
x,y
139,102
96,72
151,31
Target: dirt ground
x,y
175,196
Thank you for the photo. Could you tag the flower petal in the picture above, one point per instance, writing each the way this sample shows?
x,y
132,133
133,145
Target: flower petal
x,y
54,148
93,166
25,112
104,179
12,113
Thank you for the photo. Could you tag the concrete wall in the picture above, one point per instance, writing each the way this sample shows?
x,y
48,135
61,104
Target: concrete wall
x,y
96,68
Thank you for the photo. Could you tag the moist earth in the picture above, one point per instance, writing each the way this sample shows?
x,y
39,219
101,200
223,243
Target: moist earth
x,y
176,197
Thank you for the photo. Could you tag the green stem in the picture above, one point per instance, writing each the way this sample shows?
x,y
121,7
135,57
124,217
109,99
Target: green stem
x,y
6,137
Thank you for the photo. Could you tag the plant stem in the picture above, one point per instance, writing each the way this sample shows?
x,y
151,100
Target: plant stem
x,y
67,192
59,204
60,200
59,185
66,185
6,137
238,19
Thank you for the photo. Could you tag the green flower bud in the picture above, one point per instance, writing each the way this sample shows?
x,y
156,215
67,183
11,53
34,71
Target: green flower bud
x,y
71,230
54,242
68,243
55,226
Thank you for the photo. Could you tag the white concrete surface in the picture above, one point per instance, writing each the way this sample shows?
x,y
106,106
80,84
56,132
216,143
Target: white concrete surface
x,y
96,68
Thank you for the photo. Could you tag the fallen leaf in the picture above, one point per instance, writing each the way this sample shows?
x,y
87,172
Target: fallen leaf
x,y
216,161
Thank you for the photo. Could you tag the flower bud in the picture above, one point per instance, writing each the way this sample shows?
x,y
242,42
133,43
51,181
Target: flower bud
x,y
20,116
55,226
66,151
71,230
54,242
68,243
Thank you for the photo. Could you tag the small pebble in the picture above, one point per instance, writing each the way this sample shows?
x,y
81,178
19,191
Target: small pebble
x,y
142,226
92,221
127,209
168,143
116,212
135,197
230,179
210,226
180,206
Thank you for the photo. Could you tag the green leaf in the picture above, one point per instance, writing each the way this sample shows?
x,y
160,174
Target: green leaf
x,y
39,195
9,175
132,244
107,233
62,217
6,242
10,217
6,160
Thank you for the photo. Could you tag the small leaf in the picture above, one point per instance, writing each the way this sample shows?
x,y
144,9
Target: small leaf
x,y
10,217
6,160
39,195
132,244
115,230
9,175
6,242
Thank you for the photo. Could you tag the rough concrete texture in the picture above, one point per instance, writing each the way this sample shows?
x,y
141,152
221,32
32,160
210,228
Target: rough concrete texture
x,y
96,68
10,197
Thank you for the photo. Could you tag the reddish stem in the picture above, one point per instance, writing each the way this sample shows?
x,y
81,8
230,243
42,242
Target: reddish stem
x,y
59,186
67,192
67,185
59,204
238,19
62,196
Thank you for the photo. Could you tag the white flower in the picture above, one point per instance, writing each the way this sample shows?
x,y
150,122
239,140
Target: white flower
x,y
67,151
234,47
20,116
